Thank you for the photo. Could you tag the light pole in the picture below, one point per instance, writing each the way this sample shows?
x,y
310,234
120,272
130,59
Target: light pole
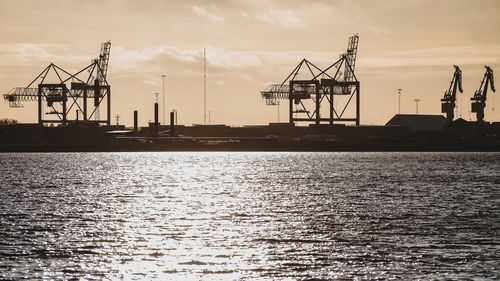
x,y
163,89
416,102
399,101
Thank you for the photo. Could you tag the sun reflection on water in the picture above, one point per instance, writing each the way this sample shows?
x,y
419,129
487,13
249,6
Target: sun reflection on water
x,y
232,216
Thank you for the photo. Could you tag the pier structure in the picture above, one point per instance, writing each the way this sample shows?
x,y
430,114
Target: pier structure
x,y
306,96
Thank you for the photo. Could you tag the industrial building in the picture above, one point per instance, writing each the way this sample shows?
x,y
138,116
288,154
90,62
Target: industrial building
x,y
419,123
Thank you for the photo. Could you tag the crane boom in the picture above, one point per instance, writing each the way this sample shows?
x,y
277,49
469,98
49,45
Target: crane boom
x,y
479,98
103,61
450,96
352,51
350,64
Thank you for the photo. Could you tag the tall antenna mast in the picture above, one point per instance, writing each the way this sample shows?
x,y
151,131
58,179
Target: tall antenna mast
x,y
204,87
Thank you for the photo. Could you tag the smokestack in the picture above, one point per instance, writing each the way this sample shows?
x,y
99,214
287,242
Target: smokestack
x,y
172,119
155,132
135,121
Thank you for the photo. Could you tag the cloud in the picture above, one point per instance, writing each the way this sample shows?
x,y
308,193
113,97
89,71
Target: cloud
x,y
378,31
435,57
151,82
231,59
397,62
124,57
127,59
36,52
220,82
454,51
285,18
188,62
204,13
246,77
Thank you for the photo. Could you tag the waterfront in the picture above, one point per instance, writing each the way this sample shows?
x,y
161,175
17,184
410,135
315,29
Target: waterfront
x,y
230,215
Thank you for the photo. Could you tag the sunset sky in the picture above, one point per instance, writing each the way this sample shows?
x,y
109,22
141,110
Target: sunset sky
x,y
403,44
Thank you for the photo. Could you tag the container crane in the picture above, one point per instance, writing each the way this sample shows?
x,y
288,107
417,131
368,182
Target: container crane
x,y
449,99
68,93
323,85
479,100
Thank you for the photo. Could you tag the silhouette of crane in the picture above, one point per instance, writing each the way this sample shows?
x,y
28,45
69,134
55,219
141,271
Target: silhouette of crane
x,y
63,99
450,96
479,100
308,94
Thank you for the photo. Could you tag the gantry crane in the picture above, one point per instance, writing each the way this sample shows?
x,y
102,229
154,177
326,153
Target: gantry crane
x,y
450,96
63,99
479,99
322,85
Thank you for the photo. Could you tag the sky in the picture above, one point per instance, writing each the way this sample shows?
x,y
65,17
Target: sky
x,y
411,45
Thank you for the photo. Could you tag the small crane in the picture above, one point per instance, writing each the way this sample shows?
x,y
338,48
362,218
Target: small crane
x,y
450,96
479,100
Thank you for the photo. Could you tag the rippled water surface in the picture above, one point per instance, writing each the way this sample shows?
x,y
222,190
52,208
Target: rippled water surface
x,y
249,215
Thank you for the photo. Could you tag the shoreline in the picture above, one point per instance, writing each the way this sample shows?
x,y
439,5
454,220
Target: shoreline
x,y
276,146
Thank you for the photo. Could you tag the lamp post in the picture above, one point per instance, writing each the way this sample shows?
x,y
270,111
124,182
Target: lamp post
x,y
399,101
416,102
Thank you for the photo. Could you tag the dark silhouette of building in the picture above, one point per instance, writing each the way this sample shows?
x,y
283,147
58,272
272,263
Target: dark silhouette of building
x,y
419,122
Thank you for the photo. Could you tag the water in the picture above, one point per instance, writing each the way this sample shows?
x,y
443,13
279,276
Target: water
x,y
237,216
